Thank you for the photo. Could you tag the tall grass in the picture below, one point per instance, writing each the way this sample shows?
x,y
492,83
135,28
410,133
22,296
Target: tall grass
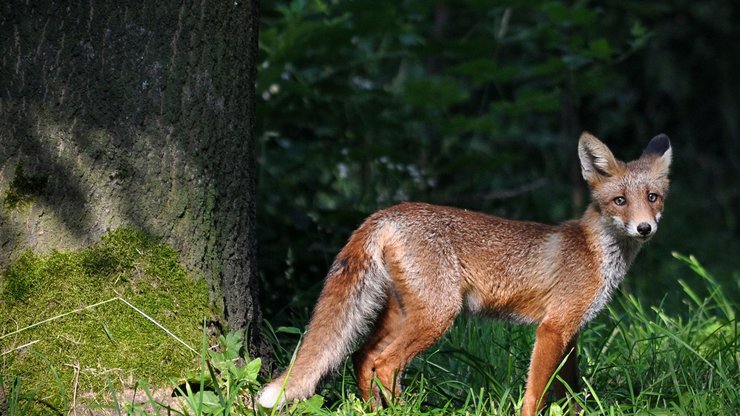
x,y
634,359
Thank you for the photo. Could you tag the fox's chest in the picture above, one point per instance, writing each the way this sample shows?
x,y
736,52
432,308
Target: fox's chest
x,y
616,262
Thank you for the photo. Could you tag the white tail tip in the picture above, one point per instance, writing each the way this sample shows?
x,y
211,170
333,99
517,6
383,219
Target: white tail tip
x,y
269,397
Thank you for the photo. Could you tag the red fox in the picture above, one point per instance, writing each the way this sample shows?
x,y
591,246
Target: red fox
x,y
409,270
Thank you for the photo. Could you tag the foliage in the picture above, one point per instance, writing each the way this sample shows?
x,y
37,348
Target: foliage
x,y
479,104
222,381
634,360
91,347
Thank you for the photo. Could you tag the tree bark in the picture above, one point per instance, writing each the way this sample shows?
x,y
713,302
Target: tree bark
x,y
114,114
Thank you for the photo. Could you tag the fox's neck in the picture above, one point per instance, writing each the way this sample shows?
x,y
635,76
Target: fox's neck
x,y
618,251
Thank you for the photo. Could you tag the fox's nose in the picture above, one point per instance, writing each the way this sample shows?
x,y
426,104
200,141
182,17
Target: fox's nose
x,y
644,228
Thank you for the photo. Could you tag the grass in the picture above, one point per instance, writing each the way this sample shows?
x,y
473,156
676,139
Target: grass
x,y
634,360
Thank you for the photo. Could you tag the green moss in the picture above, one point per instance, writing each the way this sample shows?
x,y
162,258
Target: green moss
x,y
23,188
110,343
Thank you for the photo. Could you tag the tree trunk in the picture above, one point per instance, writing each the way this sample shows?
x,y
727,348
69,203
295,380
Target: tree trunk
x,y
116,115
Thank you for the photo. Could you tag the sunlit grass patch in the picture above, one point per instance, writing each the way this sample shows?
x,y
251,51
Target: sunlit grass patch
x,y
634,359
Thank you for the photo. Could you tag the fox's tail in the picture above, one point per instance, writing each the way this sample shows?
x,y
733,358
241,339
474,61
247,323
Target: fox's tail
x,y
353,295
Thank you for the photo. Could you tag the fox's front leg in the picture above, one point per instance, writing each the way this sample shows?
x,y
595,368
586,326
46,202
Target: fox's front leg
x,y
552,340
568,373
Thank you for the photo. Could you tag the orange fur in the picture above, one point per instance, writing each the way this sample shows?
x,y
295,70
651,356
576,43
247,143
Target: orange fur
x,y
409,270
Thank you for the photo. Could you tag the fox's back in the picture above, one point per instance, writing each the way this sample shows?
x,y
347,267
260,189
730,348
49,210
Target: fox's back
x,y
470,234
497,266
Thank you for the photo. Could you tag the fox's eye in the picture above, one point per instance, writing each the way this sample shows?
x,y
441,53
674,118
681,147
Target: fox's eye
x,y
652,197
620,200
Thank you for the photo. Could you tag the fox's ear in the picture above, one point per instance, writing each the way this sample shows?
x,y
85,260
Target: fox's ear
x,y
597,161
659,148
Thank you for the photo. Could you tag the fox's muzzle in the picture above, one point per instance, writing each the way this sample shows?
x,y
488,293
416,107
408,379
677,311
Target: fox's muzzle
x,y
644,229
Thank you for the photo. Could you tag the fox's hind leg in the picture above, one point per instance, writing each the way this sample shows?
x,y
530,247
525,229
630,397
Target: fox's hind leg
x,y
421,329
385,331
426,293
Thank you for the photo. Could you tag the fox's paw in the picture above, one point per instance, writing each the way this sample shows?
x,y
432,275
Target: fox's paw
x,y
269,396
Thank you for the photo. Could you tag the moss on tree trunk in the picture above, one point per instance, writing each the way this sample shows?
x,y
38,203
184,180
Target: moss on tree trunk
x,y
135,115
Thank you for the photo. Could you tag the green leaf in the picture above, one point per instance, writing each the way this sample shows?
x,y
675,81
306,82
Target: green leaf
x,y
232,344
289,330
314,405
638,30
600,49
251,370
210,401
556,410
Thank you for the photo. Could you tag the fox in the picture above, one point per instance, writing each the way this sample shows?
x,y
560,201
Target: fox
x,y
407,272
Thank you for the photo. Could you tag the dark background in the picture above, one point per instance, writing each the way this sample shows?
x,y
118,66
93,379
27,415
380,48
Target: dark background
x,y
479,104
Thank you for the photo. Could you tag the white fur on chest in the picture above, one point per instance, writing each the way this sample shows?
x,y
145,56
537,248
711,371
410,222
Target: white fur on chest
x,y
618,256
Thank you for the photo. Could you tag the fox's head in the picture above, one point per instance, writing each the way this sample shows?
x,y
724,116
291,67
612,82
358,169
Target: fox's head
x,y
629,195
